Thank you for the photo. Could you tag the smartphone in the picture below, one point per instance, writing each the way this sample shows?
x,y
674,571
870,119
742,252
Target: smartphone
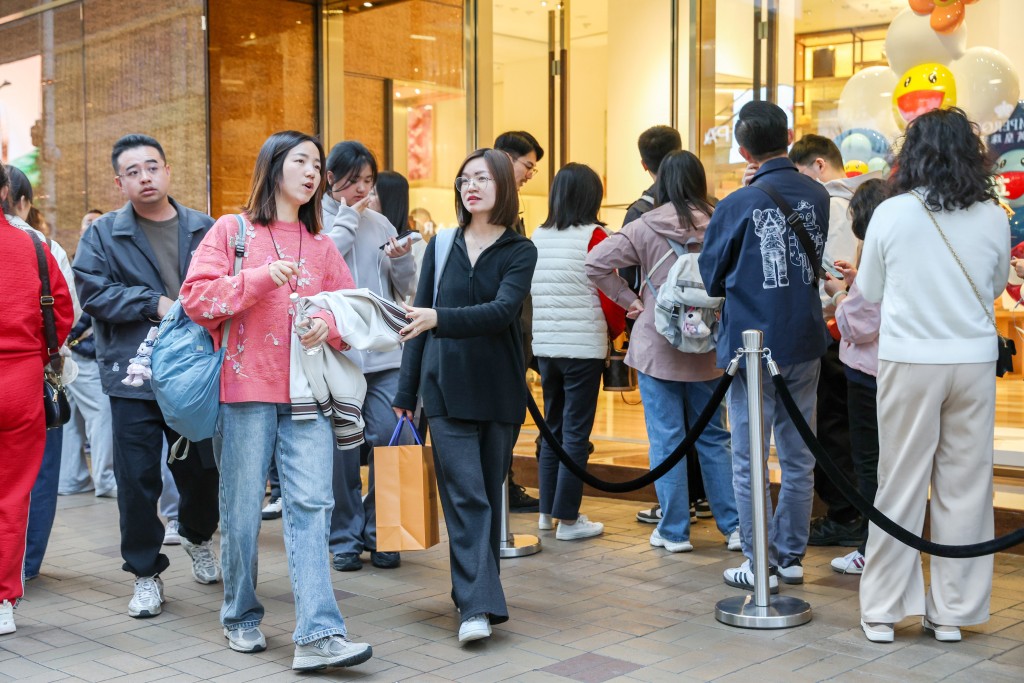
x,y
831,269
405,237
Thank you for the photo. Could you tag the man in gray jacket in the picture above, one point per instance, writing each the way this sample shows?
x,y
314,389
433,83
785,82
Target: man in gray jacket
x,y
367,242
129,268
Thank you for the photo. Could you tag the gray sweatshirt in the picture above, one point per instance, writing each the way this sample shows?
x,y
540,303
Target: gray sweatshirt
x,y
358,238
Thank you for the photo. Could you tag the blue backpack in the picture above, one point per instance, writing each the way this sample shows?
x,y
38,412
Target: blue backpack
x,y
186,369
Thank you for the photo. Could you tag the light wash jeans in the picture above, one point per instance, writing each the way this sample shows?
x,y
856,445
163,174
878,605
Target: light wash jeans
x,y
665,404
247,435
790,522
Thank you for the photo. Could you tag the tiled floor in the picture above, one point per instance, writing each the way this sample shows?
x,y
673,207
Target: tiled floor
x,y
610,609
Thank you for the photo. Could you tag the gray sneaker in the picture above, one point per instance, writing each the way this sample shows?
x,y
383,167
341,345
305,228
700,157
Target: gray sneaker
x,y
148,598
330,651
205,567
246,639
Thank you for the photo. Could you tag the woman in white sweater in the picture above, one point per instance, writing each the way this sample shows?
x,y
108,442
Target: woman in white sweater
x,y
935,255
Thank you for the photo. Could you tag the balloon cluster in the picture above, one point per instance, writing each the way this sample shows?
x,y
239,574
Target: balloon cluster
x,y
930,67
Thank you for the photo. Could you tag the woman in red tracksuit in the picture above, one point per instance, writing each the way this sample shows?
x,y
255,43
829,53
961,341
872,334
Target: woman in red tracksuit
x,y
22,422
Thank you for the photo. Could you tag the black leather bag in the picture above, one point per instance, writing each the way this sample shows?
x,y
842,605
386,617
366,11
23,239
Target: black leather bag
x,y
618,376
1007,350
55,402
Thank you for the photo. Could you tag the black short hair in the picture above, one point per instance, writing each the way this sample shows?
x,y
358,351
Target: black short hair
x,y
865,200
655,143
575,197
518,143
683,183
21,188
943,153
132,141
347,159
393,195
811,147
762,129
506,196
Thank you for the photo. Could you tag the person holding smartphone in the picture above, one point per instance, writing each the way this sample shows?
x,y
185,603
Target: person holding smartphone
x,y
359,232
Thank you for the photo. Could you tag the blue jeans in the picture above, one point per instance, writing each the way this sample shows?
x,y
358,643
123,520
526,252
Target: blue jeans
x,y
789,524
43,507
248,434
665,405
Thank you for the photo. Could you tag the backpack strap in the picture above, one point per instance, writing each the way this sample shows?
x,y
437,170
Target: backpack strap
x,y
676,249
796,223
239,253
443,241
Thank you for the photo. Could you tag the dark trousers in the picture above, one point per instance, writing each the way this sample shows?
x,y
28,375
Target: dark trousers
x,y
43,507
471,459
275,479
834,434
138,427
864,438
571,387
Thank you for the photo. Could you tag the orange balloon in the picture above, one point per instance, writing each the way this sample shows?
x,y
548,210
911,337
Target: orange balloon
x,y
947,17
922,6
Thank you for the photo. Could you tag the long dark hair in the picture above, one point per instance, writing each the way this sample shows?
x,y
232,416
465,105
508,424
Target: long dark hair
x,y
393,195
506,198
575,197
683,183
21,188
943,153
865,200
261,207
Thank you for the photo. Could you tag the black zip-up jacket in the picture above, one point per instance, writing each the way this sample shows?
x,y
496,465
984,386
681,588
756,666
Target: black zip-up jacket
x,y
470,367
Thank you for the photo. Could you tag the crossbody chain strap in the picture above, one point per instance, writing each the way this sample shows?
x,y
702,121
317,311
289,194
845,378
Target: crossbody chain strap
x,y
970,280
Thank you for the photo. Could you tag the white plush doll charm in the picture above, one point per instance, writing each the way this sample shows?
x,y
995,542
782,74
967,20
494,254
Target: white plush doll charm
x,y
139,367
694,325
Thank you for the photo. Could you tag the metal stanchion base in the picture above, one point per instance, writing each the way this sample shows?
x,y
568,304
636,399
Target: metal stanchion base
x,y
519,545
783,612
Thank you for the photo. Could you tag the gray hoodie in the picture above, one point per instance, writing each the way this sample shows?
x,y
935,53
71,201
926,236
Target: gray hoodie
x,y
841,242
358,238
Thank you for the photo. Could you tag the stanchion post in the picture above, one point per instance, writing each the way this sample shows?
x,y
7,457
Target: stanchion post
x,y
514,545
759,610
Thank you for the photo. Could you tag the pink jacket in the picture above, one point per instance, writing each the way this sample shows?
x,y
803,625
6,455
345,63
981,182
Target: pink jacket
x,y
256,365
859,321
642,243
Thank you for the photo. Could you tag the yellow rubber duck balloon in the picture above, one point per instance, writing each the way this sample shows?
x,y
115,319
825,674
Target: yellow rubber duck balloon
x,y
921,89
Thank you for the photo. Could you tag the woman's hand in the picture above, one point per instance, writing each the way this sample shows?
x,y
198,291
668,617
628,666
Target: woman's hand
x,y
749,172
833,285
403,412
848,270
635,309
317,333
359,206
1018,266
282,271
393,249
420,320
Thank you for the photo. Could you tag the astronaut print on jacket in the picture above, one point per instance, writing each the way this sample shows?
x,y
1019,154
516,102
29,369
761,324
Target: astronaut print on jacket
x,y
780,246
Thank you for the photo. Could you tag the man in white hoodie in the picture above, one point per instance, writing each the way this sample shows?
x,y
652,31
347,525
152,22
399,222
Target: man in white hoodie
x,y
367,242
818,157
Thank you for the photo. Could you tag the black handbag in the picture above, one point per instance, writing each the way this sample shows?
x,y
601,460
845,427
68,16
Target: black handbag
x,y
55,401
618,376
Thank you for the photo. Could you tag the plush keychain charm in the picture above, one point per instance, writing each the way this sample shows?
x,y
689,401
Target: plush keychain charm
x,y
139,367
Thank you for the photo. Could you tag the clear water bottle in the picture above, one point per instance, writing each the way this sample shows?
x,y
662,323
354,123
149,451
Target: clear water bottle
x,y
303,324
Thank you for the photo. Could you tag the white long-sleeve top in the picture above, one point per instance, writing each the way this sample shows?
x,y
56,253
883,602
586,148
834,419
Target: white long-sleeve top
x,y
930,314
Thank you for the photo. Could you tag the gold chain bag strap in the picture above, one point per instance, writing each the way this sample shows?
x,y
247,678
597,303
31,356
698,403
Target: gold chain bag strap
x,y
1006,346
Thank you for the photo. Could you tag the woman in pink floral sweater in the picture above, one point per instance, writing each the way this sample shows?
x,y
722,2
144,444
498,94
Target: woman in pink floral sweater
x,y
284,253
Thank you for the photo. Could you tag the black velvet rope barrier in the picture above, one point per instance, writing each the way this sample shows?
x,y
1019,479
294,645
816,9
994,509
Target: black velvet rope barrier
x,y
866,507
671,461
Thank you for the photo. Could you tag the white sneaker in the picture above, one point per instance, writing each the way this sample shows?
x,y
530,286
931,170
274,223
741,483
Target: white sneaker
x,y
878,633
672,546
475,628
6,618
205,567
943,634
851,563
733,542
148,598
743,577
583,528
793,574
246,639
330,651
171,536
272,510
544,522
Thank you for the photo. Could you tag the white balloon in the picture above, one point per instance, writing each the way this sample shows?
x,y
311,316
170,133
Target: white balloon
x,y
866,101
878,164
856,147
987,87
910,41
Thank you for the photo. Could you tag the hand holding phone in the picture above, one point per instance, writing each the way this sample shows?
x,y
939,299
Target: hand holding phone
x,y
831,269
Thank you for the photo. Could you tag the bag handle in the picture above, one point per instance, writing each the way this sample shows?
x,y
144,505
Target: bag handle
x,y
46,305
239,253
443,241
795,222
398,430
970,280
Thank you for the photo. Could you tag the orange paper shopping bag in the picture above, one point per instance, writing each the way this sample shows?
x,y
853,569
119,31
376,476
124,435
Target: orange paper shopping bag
x,y
406,491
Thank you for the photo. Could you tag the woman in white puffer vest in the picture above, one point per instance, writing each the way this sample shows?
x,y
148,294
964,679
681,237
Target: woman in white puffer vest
x,y
572,324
